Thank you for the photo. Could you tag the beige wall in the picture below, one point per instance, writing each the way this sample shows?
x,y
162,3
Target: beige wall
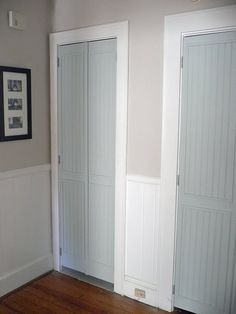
x,y
29,49
145,63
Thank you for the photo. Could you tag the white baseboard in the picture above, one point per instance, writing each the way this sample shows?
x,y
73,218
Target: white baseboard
x,y
21,276
150,294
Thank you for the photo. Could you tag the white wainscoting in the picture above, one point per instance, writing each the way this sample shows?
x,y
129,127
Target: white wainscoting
x,y
142,209
25,226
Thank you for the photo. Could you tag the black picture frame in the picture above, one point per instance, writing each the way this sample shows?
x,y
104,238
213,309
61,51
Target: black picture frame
x,y
15,104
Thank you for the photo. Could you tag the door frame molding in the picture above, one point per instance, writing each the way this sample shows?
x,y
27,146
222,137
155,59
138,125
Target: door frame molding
x,y
120,32
176,28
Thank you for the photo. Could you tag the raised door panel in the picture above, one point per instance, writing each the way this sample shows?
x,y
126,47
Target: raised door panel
x,y
73,228
141,232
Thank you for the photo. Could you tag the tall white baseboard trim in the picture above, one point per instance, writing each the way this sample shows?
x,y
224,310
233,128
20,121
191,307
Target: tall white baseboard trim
x,y
25,274
25,226
142,210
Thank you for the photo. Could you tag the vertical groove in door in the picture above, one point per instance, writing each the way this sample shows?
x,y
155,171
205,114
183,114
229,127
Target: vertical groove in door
x,y
220,112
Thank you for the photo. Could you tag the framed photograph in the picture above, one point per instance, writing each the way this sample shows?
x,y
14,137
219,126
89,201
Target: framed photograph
x,y
15,104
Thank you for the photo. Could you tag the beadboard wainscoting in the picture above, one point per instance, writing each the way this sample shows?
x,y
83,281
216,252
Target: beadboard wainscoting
x,y
142,207
25,226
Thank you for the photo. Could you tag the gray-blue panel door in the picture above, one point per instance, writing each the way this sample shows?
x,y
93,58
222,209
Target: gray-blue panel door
x,y
207,191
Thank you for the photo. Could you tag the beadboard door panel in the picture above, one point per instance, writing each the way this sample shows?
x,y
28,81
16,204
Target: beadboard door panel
x,y
72,122
72,199
101,154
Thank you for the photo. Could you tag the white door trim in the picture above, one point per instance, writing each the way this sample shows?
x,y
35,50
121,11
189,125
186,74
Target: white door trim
x,y
120,32
176,27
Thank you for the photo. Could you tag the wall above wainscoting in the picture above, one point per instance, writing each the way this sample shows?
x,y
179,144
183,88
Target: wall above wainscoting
x,y
28,49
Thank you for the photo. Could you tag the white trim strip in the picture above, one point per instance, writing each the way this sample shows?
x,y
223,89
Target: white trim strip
x,y
144,179
24,274
26,266
141,283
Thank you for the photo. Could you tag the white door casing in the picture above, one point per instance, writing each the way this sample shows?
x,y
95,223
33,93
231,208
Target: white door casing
x,y
176,27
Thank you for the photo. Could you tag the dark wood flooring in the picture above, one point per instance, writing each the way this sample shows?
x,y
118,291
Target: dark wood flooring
x,y
60,294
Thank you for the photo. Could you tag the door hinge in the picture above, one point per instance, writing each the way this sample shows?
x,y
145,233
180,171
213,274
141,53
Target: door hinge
x,y
182,62
173,290
58,62
59,159
60,251
177,179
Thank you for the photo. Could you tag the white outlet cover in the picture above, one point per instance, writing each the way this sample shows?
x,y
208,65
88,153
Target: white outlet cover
x,y
17,20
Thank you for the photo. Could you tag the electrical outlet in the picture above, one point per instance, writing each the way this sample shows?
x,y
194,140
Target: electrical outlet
x,y
17,20
139,293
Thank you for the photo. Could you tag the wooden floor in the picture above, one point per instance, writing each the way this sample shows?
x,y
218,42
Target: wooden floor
x,y
60,294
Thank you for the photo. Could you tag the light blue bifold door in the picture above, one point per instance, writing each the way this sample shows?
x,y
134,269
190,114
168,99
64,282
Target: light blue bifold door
x,y
206,220
73,165
101,157
87,123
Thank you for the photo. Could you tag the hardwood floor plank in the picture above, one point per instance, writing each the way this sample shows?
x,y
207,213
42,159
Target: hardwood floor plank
x,y
68,289
6,310
57,302
57,293
127,304
67,298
